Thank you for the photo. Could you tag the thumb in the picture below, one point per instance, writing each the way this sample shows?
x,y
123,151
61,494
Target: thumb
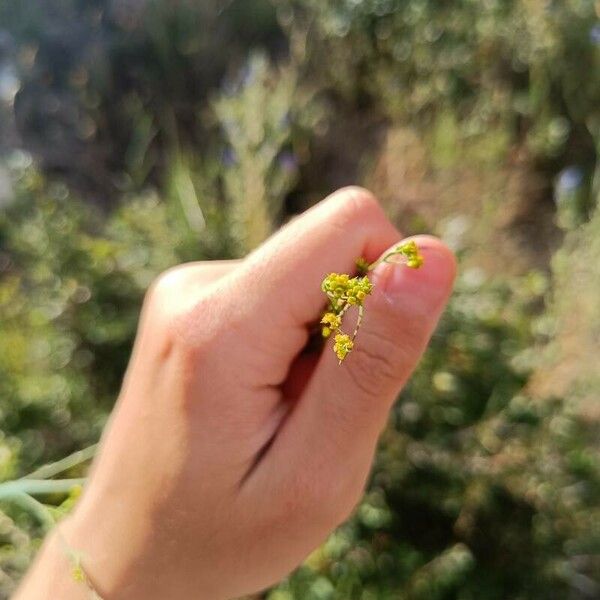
x,y
334,428
400,317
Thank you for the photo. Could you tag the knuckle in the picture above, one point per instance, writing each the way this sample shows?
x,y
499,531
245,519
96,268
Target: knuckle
x,y
166,284
158,311
359,204
185,281
183,310
194,328
187,324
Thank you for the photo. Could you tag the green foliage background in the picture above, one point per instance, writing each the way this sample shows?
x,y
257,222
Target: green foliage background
x,y
138,134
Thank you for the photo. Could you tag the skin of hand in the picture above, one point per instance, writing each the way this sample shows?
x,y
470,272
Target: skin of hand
x,y
231,454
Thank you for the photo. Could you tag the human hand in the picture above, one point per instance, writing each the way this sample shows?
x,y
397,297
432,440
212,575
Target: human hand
x,y
231,453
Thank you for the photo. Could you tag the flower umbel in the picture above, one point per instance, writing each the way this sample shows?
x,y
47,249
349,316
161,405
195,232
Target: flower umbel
x,y
408,253
343,345
344,291
330,321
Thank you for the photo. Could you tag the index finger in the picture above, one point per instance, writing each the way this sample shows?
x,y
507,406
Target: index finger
x,y
329,237
279,284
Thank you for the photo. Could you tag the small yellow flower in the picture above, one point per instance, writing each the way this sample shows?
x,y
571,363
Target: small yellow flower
x,y
330,322
78,574
343,346
343,289
410,250
415,262
331,319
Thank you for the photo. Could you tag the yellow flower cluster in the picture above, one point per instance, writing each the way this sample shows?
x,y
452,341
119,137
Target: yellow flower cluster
x,y
344,291
331,322
410,251
343,346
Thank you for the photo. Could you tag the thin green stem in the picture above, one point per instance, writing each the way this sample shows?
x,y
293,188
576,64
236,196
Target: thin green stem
x,y
409,251
49,523
31,505
48,471
361,311
384,258
13,489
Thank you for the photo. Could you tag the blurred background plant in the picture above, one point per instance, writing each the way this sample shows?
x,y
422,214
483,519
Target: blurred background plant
x,y
136,134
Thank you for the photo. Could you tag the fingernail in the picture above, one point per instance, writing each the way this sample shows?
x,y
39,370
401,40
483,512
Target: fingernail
x,y
428,286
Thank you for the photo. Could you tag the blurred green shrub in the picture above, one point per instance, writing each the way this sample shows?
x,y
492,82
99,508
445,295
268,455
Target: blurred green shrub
x,y
107,87
531,69
573,318
70,294
264,116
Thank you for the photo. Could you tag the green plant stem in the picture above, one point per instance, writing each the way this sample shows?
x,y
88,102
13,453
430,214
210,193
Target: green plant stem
x,y
48,471
15,489
384,258
36,508
361,311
